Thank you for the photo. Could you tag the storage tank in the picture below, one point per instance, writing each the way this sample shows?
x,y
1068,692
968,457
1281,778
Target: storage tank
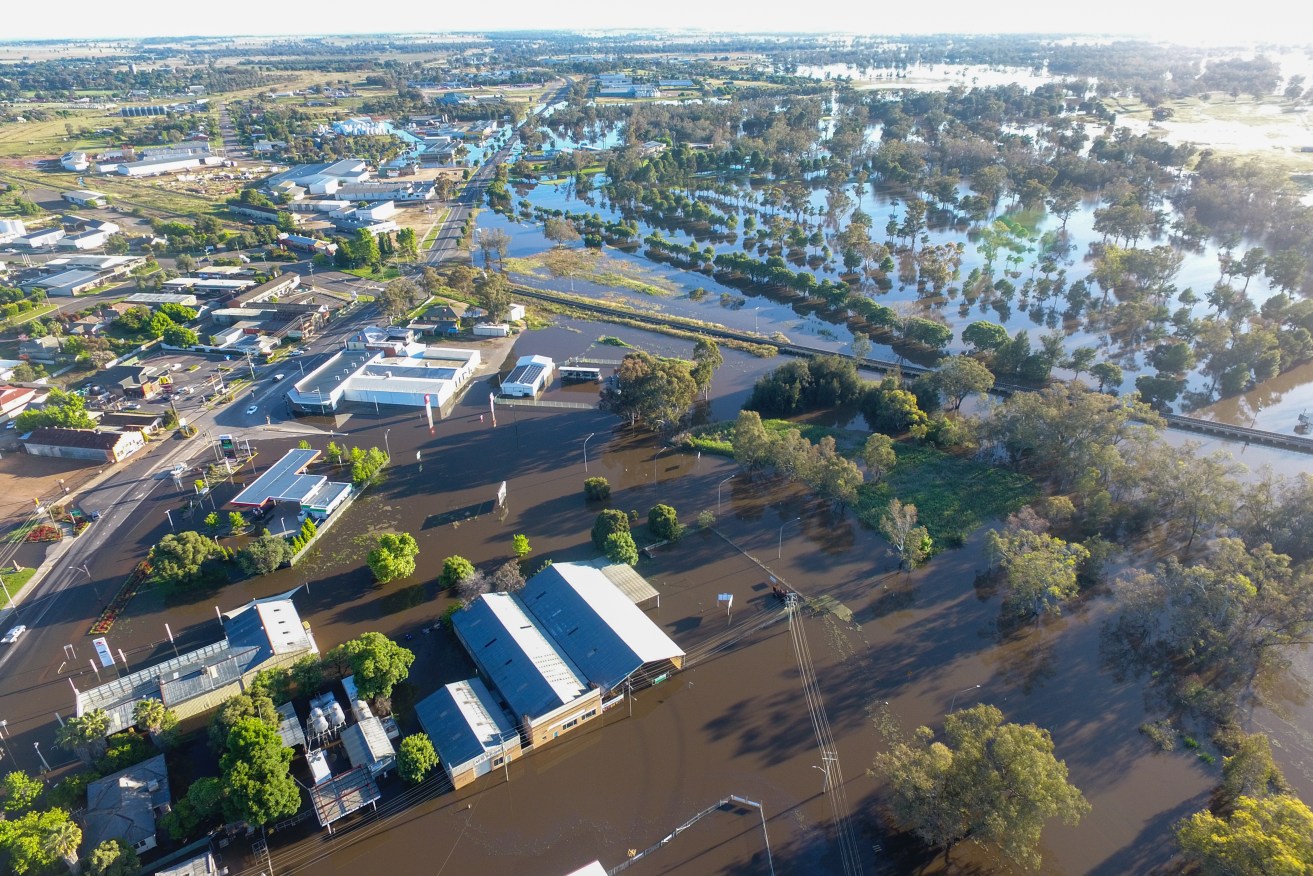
x,y
318,723
337,716
362,710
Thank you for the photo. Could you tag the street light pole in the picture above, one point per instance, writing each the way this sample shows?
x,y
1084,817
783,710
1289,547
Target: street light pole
x,y
37,746
586,440
779,548
387,444
718,489
4,737
170,516
958,694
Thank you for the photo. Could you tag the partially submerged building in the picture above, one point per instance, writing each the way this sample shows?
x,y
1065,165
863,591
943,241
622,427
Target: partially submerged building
x,y
263,634
286,482
373,375
124,806
469,729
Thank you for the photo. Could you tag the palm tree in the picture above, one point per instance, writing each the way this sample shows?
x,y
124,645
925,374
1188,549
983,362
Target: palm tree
x,y
62,842
85,735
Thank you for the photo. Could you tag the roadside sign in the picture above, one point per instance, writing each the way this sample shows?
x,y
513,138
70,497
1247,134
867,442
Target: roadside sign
x,y
103,652
501,494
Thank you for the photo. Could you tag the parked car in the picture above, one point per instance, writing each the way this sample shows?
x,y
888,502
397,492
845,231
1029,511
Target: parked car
x,y
12,636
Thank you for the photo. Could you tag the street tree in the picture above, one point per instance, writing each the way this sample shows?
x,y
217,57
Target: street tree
x,y
393,557
20,790
377,662
236,522
61,840
520,544
455,569
663,523
264,554
610,521
180,558
416,758
620,548
1263,836
993,783
597,489
113,857
257,785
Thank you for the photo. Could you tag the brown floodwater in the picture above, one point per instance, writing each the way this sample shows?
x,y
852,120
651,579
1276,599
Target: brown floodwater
x,y
734,723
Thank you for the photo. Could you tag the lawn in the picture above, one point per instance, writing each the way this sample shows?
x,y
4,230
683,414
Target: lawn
x,y
953,495
390,272
16,581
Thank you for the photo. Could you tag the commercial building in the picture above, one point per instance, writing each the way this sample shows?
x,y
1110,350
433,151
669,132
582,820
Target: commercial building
x,y
321,179
89,445
155,299
531,375
471,732
46,237
124,806
67,283
15,399
85,197
554,650
213,288
286,482
374,375
263,634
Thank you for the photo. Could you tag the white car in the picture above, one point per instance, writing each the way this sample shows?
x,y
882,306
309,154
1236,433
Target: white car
x,y
12,636
252,410
279,376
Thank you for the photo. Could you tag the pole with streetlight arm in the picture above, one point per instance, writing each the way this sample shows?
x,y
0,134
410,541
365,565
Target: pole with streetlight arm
x,y
586,440
953,702
4,737
779,548
718,489
387,444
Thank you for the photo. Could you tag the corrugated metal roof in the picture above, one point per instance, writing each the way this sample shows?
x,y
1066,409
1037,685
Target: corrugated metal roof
x,y
463,721
367,744
594,623
631,584
517,656
272,625
278,479
289,726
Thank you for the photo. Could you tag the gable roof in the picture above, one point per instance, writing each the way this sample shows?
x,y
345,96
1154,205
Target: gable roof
x,y
517,656
271,626
463,721
594,623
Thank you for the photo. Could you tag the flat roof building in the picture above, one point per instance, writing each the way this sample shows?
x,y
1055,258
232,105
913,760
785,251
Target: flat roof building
x,y
373,377
367,745
67,283
286,482
85,197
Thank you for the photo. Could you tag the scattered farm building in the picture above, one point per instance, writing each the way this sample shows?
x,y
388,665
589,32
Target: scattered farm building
x,y
85,197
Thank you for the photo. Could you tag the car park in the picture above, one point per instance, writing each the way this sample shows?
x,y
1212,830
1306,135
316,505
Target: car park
x,y
12,636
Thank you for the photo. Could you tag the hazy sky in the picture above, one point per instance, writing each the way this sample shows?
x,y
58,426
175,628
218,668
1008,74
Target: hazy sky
x,y
1202,21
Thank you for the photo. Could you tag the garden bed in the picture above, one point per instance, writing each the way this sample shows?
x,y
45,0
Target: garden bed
x,y
131,585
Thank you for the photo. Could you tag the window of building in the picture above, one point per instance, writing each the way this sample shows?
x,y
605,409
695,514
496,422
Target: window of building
x,y
568,724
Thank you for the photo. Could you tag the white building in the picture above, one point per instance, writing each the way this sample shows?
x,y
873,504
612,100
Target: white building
x,y
41,239
374,376
11,229
531,375
74,161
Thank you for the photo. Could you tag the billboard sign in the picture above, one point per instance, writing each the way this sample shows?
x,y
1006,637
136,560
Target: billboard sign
x,y
102,651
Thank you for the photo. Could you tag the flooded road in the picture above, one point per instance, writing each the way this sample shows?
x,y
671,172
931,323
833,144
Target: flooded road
x,y
734,723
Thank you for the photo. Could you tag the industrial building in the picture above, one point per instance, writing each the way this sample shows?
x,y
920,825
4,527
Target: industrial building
x,y
551,654
88,445
159,166
373,375
469,730
531,375
286,482
263,634
41,239
321,179
66,284
85,197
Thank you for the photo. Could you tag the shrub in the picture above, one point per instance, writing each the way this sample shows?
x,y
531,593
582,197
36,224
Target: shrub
x,y
597,489
707,519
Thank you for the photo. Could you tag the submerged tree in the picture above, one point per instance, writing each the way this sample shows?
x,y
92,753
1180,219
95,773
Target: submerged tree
x,y
993,783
